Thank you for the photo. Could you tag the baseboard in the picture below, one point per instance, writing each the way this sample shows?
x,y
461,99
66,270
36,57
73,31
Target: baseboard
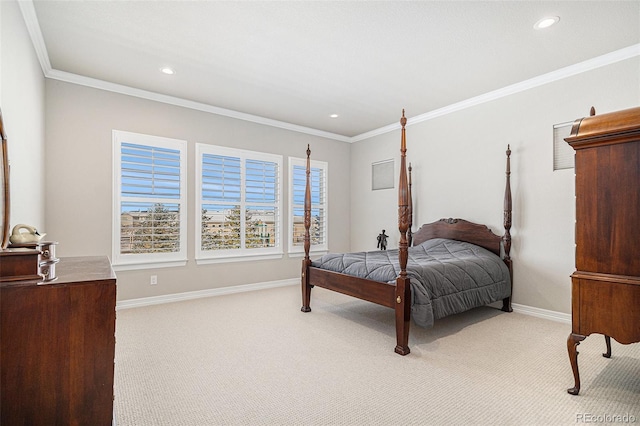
x,y
542,313
178,297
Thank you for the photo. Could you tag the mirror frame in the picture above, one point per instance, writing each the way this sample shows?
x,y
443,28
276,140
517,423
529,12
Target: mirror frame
x,y
5,206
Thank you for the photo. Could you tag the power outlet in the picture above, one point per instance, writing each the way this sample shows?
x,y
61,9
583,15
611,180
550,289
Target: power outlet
x,y
154,279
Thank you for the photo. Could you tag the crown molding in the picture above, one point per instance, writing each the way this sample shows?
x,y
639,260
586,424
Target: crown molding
x,y
562,73
33,26
172,100
185,103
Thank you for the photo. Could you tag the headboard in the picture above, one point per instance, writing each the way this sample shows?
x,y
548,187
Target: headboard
x,y
461,230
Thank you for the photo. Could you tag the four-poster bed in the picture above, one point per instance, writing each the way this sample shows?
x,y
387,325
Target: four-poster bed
x,y
452,265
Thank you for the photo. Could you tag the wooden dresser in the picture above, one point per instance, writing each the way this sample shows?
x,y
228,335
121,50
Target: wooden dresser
x,y
606,283
58,345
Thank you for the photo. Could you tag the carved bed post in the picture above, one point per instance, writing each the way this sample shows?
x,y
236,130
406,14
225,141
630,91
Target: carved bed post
x,y
403,289
306,262
506,239
409,231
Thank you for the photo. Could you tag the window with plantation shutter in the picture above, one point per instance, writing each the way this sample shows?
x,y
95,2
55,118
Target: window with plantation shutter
x,y
238,204
149,200
319,210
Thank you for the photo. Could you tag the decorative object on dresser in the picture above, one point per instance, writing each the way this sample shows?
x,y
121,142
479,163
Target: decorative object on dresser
x,y
605,288
46,260
28,257
19,264
394,276
58,346
31,236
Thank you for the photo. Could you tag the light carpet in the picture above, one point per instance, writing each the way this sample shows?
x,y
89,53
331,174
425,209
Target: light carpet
x,y
255,359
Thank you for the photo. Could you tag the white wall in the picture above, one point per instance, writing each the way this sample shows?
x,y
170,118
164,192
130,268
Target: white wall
x,y
79,179
459,166
22,103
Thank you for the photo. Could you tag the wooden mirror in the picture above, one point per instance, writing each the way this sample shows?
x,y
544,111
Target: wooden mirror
x,y
4,189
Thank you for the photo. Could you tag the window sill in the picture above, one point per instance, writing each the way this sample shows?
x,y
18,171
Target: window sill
x,y
243,258
148,265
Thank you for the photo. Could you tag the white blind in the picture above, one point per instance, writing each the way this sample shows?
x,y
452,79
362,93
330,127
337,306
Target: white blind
x,y
221,179
563,153
262,187
221,197
150,199
240,203
261,181
149,171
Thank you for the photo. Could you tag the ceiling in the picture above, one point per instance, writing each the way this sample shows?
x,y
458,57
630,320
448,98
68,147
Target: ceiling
x,y
298,62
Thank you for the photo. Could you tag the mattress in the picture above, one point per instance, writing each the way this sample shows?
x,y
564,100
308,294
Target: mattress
x,y
447,276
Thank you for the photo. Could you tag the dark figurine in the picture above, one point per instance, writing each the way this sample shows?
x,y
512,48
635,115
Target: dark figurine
x,y
382,241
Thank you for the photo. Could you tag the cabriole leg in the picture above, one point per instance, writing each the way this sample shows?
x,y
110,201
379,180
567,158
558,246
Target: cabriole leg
x,y
607,340
572,343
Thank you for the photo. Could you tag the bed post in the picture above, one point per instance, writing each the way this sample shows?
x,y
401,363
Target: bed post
x,y
403,289
409,231
506,239
306,262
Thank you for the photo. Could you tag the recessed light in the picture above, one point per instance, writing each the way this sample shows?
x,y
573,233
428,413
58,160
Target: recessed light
x,y
167,70
334,116
546,22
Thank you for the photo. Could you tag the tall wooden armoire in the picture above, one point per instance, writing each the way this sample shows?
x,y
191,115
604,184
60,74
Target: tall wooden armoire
x,y
606,283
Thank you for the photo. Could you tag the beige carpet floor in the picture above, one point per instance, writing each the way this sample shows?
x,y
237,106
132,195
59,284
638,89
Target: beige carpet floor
x,y
255,359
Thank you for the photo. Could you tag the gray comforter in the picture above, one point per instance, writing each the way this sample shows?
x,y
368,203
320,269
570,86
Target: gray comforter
x,y
447,276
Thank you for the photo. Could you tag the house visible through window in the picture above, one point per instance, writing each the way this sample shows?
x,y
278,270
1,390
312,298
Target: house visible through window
x,y
149,200
238,205
319,211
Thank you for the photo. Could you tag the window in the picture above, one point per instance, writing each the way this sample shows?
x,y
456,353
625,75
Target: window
x,y
238,204
150,217
319,210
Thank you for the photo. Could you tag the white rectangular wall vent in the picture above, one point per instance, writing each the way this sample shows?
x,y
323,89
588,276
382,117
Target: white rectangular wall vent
x,y
563,154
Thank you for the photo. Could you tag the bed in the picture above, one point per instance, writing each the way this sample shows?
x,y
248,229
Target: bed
x,y
446,267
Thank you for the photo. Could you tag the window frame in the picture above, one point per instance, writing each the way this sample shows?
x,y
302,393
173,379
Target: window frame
x,y
298,250
126,261
242,253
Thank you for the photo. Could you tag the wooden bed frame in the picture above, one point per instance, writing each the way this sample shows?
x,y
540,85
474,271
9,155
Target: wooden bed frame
x,y
398,296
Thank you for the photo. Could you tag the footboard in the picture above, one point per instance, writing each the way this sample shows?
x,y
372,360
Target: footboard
x,y
371,291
